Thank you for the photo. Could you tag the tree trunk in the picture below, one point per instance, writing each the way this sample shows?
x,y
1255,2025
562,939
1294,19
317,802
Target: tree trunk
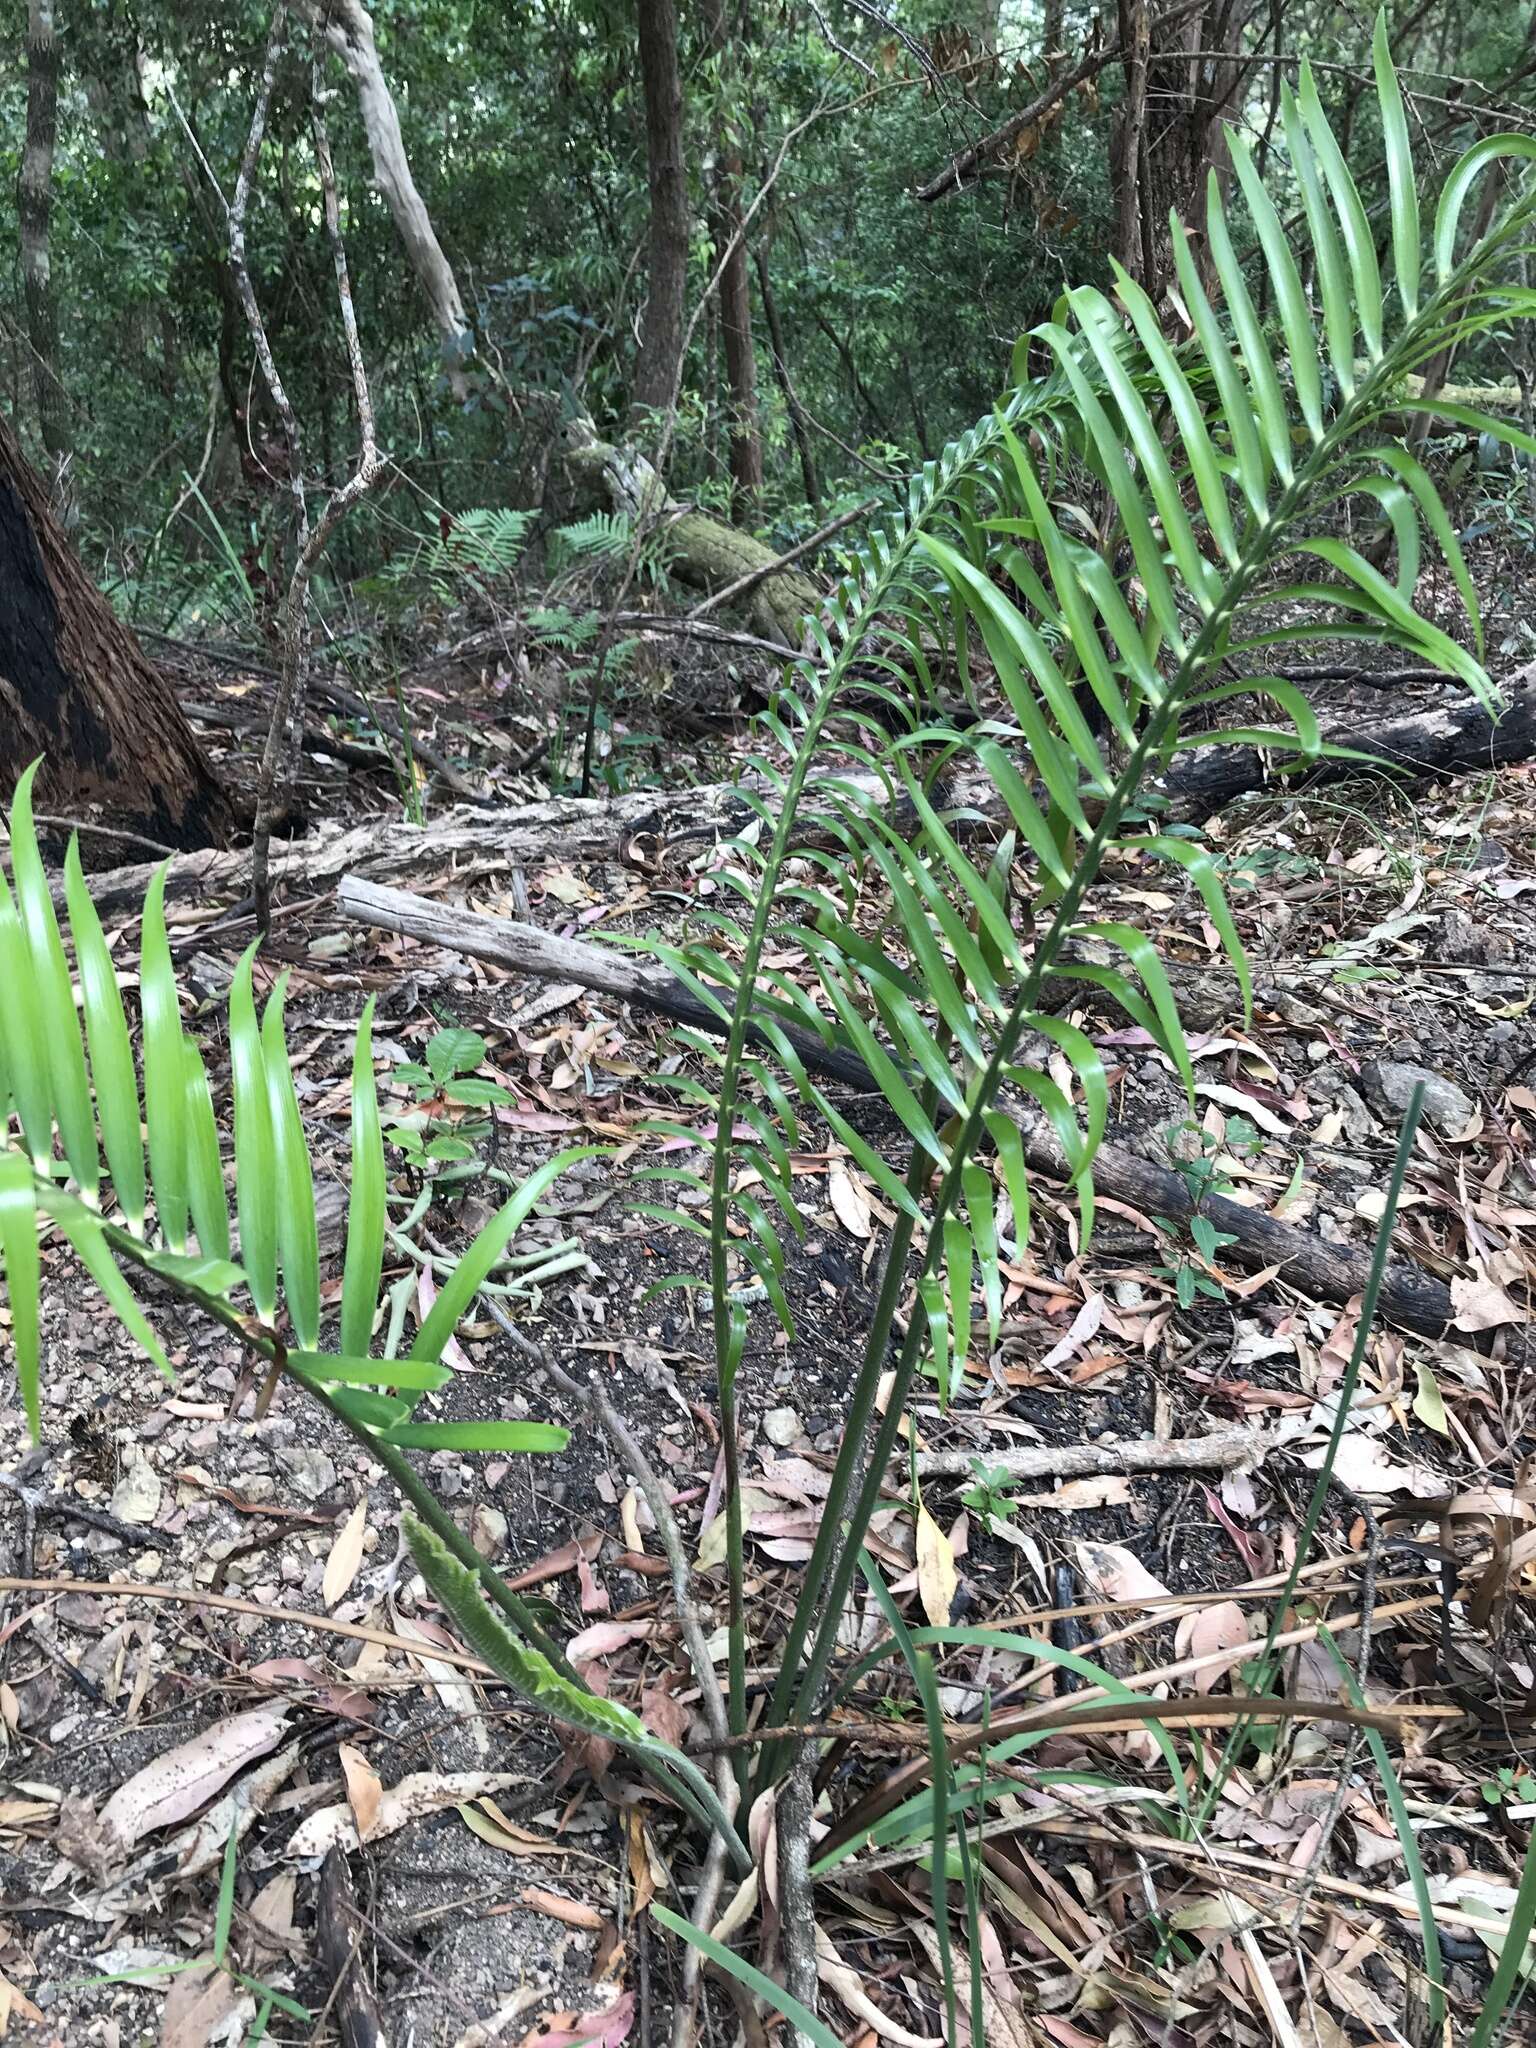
x,y
1188,97
799,423
726,227
1133,246
349,32
658,373
75,687
34,206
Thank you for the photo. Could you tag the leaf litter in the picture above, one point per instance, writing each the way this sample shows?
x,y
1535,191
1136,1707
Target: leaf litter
x,y
1140,1574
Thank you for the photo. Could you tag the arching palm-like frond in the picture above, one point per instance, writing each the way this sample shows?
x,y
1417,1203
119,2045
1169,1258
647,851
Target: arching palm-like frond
x,y
1223,466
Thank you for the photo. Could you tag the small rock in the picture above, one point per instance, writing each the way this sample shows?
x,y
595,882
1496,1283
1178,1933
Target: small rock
x,y
488,1530
136,1496
1389,1086
311,1471
1471,944
781,1426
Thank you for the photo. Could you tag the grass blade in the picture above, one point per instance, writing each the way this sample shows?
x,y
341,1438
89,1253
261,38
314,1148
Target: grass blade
x,y
18,1244
255,1151
365,1207
106,1031
64,1048
295,1182
165,1070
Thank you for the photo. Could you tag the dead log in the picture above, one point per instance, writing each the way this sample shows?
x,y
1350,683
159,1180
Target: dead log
x,y
1450,739
1410,1297
530,950
702,552
474,840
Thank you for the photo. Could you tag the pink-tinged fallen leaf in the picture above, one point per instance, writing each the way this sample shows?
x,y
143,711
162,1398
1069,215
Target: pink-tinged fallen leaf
x,y
1114,1573
1208,1632
1085,1324
426,1293
1481,1303
594,1598
664,1715
565,2029
789,1549
344,1700
605,1638
522,1118
175,1785
556,1562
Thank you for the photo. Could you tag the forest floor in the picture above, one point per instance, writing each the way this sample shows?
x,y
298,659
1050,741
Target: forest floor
x,y
242,1639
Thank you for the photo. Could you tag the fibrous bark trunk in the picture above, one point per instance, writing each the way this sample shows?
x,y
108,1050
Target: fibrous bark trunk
x,y
728,230
34,206
349,32
658,372
76,688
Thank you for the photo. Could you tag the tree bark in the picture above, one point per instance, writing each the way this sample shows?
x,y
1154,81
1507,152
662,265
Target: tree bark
x,y
658,372
34,206
726,225
1132,247
76,688
349,32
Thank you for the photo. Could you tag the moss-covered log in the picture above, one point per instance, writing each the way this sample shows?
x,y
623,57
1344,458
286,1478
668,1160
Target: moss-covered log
x,y
703,552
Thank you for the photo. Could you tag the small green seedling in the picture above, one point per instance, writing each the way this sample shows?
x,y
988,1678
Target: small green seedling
x,y
1509,1787
436,1143
989,1499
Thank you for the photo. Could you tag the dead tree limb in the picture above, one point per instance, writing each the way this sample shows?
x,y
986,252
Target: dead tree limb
x,y
1410,1297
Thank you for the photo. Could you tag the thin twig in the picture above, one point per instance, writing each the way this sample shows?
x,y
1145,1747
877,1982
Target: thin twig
x,y
614,1427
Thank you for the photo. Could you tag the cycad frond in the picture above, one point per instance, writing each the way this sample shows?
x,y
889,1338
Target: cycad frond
x,y
1223,465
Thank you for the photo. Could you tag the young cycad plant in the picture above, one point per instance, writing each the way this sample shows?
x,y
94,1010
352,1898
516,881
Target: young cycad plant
x,y
1221,468
1225,472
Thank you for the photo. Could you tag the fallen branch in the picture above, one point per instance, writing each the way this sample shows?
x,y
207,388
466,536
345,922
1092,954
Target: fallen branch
x,y
1449,739
353,2007
1410,1297
1224,1450
530,950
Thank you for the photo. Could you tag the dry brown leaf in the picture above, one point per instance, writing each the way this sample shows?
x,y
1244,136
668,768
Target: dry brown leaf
x,y
849,1202
845,1983
205,2006
937,1577
1209,1630
176,1784
1107,1490
364,1790
572,1911
346,1555
421,1793
1481,1303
